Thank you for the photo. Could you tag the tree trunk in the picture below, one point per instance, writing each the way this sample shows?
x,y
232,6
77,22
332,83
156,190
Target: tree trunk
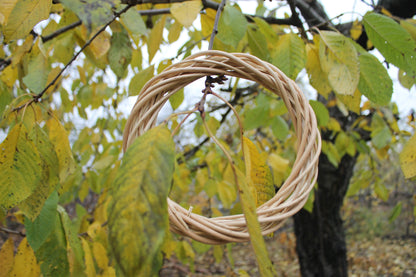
x,y
320,237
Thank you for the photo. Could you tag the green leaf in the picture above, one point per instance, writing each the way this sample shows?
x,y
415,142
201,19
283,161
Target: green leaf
x,y
32,205
375,82
380,133
39,230
344,144
5,97
120,53
396,211
76,259
321,112
140,79
339,61
405,80
133,22
138,215
279,127
257,43
24,16
381,191
20,167
37,75
232,26
52,254
392,40
290,55
309,203
267,30
408,158
93,13
227,193
256,117
329,149
176,99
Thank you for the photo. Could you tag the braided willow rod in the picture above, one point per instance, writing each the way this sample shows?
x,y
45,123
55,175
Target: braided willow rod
x,y
294,192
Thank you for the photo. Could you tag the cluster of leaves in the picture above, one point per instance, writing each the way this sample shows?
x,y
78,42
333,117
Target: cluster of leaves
x,y
62,147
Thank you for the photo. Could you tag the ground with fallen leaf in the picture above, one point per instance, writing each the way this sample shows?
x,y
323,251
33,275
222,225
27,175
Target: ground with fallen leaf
x,y
376,247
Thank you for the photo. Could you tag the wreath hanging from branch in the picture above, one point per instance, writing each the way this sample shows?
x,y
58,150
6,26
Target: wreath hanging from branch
x,y
294,192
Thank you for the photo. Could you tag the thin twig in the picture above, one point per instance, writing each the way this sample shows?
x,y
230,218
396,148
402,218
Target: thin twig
x,y
183,120
215,29
9,231
296,19
61,31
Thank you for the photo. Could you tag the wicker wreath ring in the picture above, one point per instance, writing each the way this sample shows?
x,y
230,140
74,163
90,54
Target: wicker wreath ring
x,y
291,196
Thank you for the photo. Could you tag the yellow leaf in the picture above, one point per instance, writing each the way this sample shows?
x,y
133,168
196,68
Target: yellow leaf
x,y
156,37
89,262
339,61
9,75
20,167
356,29
278,163
174,32
51,76
100,213
386,12
59,138
109,272
352,102
100,45
207,22
318,78
6,7
226,193
100,255
96,232
186,12
32,205
408,158
257,173
410,26
22,50
6,257
25,263
247,202
24,16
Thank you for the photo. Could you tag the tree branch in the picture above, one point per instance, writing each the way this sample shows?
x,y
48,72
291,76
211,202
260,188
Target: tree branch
x,y
215,28
61,31
39,95
9,231
314,14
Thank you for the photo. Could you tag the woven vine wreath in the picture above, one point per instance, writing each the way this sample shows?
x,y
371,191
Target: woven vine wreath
x,y
291,196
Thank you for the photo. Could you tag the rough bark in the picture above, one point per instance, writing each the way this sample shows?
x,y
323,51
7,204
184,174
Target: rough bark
x,y
320,237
